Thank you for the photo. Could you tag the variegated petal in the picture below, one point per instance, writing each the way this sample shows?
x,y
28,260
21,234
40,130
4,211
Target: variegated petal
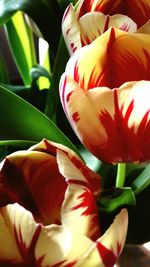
x,y
23,177
49,147
130,8
104,6
79,203
110,59
93,24
107,249
88,128
19,234
60,246
71,30
115,123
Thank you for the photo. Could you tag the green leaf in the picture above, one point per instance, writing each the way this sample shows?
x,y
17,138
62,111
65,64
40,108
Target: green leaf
x,y
21,43
18,143
41,14
38,71
4,76
21,121
115,198
142,181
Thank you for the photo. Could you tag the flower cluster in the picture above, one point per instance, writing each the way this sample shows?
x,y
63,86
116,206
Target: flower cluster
x,y
105,88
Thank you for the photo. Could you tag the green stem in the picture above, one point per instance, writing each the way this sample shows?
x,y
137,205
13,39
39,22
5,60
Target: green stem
x,y
121,174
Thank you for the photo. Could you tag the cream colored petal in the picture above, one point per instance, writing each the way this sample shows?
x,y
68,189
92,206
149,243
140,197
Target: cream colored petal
x,y
51,148
71,30
21,233
8,246
59,245
79,203
93,24
136,92
107,249
88,128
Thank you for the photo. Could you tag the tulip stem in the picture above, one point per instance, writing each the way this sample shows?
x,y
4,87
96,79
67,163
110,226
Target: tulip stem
x,y
121,174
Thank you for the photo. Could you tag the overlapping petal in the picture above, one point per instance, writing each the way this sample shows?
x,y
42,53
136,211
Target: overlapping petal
x,y
106,250
75,237
101,92
82,31
32,179
130,8
18,235
55,245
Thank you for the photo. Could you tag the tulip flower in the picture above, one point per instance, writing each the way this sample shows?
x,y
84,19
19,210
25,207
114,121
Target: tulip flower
x,y
79,30
48,214
130,8
105,95
89,19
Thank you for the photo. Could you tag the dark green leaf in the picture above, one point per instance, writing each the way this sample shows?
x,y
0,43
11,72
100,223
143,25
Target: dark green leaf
x,y
41,14
21,121
4,76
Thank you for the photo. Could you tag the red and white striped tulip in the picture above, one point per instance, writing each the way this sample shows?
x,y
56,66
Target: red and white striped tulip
x,y
48,212
105,93
83,23
138,10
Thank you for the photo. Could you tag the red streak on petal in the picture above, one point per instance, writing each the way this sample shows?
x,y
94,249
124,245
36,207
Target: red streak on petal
x,y
93,180
88,207
123,143
125,27
50,148
87,202
107,255
73,47
76,72
76,117
86,7
68,96
106,25
67,32
27,253
59,264
66,13
111,39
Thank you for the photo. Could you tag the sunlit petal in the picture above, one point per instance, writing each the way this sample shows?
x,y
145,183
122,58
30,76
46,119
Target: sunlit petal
x,y
111,128
19,234
70,29
79,204
105,252
58,246
130,8
92,25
